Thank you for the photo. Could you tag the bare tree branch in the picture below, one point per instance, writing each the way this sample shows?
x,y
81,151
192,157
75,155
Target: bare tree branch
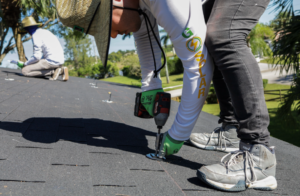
x,y
11,47
46,23
3,38
10,41
26,39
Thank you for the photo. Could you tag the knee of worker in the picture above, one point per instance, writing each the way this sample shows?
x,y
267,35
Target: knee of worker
x,y
25,71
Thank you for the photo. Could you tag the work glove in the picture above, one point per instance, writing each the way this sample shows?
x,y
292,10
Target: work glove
x,y
169,146
20,64
148,98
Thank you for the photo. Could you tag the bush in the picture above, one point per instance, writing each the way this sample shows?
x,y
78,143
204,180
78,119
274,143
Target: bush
x,y
174,66
178,66
114,70
212,96
110,71
163,71
136,72
132,71
126,70
265,82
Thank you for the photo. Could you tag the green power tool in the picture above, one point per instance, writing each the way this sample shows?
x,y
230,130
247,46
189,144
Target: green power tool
x,y
161,111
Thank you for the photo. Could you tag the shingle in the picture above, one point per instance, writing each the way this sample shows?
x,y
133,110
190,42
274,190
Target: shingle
x,y
59,138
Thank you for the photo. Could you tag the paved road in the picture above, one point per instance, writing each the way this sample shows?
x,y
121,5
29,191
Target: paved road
x,y
267,71
60,139
274,76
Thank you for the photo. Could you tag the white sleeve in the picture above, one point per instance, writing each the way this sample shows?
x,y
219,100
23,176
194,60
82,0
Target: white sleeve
x,y
145,53
184,22
37,50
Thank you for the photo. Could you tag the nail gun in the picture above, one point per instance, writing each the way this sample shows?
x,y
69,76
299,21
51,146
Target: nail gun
x,y
161,111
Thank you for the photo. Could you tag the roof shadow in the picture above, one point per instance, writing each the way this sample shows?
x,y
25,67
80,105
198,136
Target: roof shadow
x,y
93,132
20,74
118,84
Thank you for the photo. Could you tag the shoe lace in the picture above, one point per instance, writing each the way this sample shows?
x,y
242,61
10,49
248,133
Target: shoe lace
x,y
221,137
235,158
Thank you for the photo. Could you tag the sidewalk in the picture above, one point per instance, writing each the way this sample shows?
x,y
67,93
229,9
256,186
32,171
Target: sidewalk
x,y
272,74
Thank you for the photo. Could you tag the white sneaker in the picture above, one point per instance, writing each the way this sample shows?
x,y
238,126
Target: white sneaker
x,y
63,71
57,72
221,139
65,74
253,166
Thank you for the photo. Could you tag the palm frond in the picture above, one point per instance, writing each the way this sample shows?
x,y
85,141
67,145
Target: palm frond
x,y
286,46
282,6
285,111
127,35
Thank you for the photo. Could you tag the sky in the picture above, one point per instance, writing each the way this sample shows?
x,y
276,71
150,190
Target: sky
x,y
118,43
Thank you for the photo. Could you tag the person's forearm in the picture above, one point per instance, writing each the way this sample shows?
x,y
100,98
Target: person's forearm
x,y
147,64
31,61
146,56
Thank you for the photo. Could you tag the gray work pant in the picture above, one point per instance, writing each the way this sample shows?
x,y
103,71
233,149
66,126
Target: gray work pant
x,y
237,78
41,68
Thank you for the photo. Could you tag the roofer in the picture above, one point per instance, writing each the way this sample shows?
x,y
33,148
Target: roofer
x,y
253,166
48,55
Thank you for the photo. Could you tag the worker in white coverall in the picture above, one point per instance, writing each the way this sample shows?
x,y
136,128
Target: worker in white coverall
x,y
48,55
184,23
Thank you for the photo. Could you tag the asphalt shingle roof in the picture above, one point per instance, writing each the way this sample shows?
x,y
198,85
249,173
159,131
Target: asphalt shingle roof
x,y
60,138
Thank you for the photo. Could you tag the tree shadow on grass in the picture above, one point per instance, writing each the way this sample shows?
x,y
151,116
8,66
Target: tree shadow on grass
x,y
134,85
283,130
178,79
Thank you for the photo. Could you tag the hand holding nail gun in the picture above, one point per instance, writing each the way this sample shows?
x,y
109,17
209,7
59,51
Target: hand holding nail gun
x,y
157,104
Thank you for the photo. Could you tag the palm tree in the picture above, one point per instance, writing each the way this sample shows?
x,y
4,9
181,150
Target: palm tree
x,y
286,50
286,46
165,38
127,35
256,39
280,20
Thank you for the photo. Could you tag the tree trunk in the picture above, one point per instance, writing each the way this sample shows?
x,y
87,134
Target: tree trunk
x,y
2,56
19,44
167,73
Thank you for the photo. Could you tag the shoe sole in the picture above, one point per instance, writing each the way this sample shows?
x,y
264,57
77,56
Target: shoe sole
x,y
212,147
56,73
66,74
267,184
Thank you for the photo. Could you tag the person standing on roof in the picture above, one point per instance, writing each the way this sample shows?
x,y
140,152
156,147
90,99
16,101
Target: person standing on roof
x,y
48,55
239,88
253,165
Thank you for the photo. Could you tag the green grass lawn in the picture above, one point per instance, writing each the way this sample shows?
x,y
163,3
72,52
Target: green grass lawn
x,y
123,80
275,87
174,81
270,61
278,127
